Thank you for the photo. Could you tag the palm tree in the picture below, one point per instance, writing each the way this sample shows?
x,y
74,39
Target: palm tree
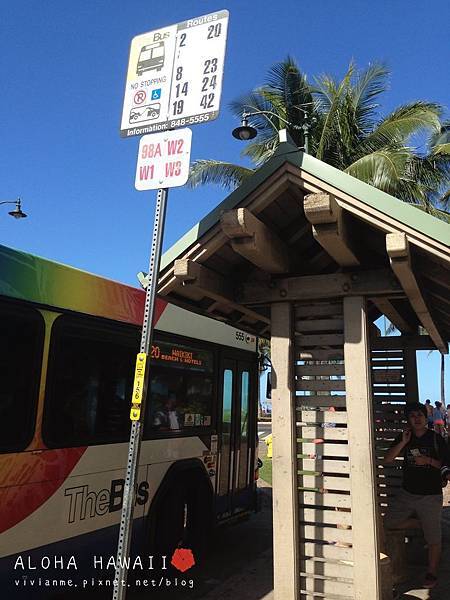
x,y
346,131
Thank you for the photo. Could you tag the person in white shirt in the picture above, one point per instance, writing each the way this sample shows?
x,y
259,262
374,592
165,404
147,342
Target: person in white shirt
x,y
168,418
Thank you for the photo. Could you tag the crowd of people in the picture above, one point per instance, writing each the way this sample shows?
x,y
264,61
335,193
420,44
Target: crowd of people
x,y
438,417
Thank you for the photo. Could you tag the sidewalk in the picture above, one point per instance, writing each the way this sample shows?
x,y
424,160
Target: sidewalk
x,y
255,580
413,588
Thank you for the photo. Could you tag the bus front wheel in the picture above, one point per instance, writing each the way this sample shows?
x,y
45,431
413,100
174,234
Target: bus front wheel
x,y
183,516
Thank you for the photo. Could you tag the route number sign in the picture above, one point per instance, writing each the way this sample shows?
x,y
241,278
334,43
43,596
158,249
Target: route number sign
x,y
174,76
163,160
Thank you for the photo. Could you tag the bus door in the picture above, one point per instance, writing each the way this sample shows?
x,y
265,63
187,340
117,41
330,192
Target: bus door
x,y
235,483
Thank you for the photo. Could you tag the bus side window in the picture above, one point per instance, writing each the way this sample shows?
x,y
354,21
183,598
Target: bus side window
x,y
21,335
89,383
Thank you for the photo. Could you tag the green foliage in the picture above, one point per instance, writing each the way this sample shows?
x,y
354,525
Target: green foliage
x,y
346,130
265,472
214,171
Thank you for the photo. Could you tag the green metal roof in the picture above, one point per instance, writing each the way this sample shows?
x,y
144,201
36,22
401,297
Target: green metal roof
x,y
402,212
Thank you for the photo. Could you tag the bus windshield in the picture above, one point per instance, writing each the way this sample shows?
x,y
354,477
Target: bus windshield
x,y
149,52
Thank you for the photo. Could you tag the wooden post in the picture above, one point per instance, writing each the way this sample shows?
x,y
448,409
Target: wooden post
x,y
285,504
410,366
361,450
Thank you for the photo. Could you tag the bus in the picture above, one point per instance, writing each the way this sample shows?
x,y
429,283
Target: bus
x,y
69,340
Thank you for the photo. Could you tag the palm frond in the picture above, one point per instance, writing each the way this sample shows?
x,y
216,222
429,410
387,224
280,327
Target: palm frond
x,y
369,84
253,102
286,115
324,92
383,169
224,174
444,201
262,150
331,93
431,171
401,124
436,212
441,149
283,71
432,174
286,80
346,132
441,137
391,329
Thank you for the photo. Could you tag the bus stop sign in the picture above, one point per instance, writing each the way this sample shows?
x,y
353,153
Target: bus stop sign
x,y
174,76
163,160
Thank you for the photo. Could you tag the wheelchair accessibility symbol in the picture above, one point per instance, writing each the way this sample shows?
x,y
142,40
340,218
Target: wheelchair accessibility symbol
x,y
150,112
156,94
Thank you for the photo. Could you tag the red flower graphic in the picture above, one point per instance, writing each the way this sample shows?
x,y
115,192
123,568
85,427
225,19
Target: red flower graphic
x,y
183,559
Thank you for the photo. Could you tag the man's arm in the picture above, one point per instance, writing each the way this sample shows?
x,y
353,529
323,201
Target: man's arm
x,y
441,450
398,447
428,460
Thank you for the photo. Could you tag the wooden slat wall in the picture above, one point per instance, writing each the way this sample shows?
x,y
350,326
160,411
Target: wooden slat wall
x,y
324,512
389,398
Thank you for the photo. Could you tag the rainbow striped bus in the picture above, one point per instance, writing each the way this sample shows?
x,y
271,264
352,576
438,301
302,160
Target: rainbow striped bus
x,y
68,345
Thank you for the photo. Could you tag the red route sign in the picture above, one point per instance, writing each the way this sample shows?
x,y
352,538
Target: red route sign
x,y
163,160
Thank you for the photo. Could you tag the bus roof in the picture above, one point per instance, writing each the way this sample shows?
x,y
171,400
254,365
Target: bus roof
x,y
47,283
27,277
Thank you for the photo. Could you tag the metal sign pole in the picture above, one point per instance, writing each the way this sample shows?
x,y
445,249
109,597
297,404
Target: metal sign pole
x,y
138,402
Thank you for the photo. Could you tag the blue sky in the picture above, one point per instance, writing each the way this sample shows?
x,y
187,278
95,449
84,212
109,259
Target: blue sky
x,y
63,67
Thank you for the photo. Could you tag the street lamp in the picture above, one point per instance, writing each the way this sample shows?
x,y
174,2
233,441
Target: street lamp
x,y
17,213
247,132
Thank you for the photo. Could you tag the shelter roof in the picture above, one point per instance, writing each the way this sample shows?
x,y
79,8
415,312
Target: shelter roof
x,y
299,218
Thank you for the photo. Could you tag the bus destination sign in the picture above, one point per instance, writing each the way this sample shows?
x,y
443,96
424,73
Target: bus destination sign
x,y
174,76
180,355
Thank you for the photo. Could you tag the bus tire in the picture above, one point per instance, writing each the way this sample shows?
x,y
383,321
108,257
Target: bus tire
x,y
200,518
183,515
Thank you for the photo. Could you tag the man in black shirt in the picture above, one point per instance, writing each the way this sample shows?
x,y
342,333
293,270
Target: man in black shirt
x,y
419,502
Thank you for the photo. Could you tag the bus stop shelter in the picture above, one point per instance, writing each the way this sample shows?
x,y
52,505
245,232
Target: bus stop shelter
x,y
310,257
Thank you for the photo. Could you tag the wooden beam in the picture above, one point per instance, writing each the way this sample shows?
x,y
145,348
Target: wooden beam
x,y
373,216
398,250
444,316
385,306
284,417
330,228
400,342
316,287
365,538
253,240
411,379
295,232
431,270
212,285
443,304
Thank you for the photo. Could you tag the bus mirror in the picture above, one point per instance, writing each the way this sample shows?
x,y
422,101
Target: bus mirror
x,y
269,385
